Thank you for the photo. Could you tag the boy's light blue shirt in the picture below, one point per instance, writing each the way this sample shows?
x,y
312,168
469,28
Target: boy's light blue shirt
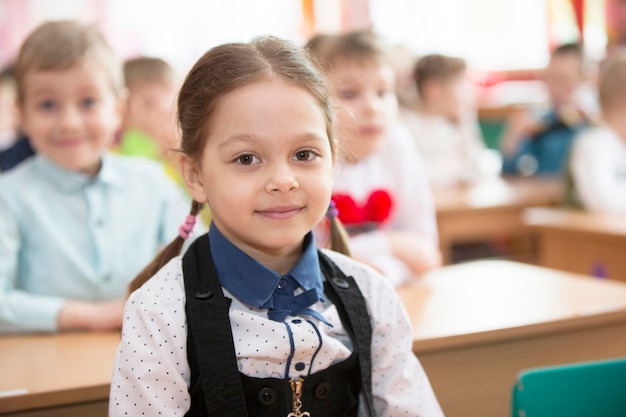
x,y
64,235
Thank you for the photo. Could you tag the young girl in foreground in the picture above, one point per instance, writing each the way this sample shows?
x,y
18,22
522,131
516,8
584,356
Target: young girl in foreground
x,y
253,320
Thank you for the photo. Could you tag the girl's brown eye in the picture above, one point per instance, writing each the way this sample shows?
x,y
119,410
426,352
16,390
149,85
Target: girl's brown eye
x,y
303,155
247,159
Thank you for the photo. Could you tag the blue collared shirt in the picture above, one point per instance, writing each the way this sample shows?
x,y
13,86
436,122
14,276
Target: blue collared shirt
x,y
254,283
549,148
65,235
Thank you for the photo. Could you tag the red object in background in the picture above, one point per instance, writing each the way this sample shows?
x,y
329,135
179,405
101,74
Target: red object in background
x,y
615,16
376,209
579,12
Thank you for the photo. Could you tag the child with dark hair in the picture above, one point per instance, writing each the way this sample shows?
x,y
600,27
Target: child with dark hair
x,y
540,145
444,124
254,320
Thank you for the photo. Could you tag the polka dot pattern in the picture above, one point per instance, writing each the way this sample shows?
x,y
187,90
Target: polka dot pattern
x,y
151,374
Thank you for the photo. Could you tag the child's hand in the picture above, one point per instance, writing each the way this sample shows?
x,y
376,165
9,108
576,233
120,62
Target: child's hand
x,y
84,315
520,125
418,253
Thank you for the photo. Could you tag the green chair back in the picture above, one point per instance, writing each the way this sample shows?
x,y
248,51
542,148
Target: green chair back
x,y
589,389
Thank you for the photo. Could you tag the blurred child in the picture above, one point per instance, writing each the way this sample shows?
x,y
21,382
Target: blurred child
x,y
14,146
8,111
445,125
76,224
403,61
540,144
149,127
598,159
380,188
253,320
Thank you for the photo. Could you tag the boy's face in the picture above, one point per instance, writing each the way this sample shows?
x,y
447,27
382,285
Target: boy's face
x,y
450,97
70,115
368,105
153,108
563,76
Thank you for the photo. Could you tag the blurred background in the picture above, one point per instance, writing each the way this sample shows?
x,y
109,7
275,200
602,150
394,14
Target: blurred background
x,y
492,35
504,42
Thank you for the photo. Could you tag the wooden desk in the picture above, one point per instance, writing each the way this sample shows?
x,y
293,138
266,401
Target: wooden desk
x,y
489,210
476,325
56,375
582,242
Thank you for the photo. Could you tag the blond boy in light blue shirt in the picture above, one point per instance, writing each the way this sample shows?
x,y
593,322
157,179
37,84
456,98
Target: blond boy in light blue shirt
x,y
76,224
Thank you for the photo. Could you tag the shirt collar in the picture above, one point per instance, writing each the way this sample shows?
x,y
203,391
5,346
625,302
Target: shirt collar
x,y
72,180
254,283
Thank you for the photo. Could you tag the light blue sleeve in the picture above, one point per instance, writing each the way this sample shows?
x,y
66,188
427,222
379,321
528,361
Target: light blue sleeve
x,y
20,311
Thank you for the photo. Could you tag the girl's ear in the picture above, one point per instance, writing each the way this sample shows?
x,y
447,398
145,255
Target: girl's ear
x,y
193,179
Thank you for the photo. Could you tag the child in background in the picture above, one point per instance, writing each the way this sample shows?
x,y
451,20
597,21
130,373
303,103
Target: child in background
x,y
149,127
76,224
14,146
540,145
254,320
8,112
598,159
445,125
381,190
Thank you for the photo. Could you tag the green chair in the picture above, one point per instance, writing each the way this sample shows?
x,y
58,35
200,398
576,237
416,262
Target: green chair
x,y
588,389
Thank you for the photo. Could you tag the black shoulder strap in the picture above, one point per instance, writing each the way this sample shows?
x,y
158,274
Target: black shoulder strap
x,y
352,308
209,327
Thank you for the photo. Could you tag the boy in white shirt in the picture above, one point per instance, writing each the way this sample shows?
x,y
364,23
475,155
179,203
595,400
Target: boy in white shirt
x,y
598,159
445,126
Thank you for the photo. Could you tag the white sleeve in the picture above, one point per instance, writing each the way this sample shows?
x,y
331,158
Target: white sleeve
x,y
416,211
373,247
151,373
400,386
593,169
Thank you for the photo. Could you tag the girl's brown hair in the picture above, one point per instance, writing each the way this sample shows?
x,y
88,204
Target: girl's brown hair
x,y
217,73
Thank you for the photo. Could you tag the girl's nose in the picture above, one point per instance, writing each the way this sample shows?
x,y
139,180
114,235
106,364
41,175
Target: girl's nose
x,y
282,179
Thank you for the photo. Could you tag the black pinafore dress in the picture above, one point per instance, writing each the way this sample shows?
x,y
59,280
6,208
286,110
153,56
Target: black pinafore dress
x,y
217,388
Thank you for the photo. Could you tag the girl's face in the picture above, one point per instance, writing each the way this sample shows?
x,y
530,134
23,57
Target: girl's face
x,y
70,116
368,105
266,170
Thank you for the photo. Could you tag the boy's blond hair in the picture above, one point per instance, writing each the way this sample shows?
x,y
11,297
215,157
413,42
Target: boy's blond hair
x,y
147,70
363,46
59,45
612,90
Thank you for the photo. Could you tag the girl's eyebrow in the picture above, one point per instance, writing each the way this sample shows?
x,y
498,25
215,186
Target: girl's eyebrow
x,y
250,138
239,137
